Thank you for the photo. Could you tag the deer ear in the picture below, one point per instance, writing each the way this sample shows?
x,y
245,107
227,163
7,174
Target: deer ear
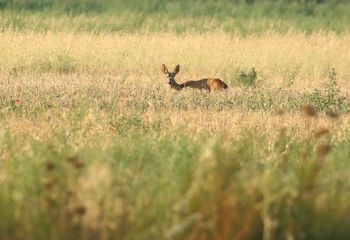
x,y
177,69
164,69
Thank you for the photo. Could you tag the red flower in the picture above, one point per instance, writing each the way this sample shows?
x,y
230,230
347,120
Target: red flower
x,y
18,101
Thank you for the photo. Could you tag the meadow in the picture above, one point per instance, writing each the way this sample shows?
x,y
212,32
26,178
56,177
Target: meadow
x,y
95,145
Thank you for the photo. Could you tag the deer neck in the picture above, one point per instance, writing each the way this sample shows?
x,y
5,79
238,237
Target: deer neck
x,y
177,86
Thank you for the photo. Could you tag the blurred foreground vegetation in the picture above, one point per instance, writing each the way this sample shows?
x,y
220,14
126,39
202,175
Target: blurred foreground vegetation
x,y
172,186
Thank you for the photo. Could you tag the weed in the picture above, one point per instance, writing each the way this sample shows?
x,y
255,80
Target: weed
x,y
65,63
329,99
247,78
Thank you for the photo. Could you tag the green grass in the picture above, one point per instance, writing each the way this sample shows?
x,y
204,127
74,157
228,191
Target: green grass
x,y
179,16
175,186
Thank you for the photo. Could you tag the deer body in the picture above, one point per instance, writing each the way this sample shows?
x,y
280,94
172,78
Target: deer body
x,y
209,84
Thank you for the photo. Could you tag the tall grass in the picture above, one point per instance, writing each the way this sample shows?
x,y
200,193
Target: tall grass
x,y
301,62
173,186
95,145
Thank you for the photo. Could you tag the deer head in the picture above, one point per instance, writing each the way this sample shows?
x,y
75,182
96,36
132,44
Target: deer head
x,y
171,76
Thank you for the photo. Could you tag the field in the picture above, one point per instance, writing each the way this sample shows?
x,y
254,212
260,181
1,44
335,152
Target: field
x,y
95,145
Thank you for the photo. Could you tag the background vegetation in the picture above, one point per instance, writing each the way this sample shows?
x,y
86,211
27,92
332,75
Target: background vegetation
x,y
95,145
179,16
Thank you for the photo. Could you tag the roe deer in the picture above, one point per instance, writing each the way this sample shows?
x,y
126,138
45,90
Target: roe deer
x,y
208,84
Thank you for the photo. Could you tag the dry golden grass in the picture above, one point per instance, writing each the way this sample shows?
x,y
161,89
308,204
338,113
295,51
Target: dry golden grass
x,y
136,58
54,73
95,144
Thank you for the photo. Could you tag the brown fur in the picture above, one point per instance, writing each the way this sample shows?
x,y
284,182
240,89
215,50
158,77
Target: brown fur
x,y
209,84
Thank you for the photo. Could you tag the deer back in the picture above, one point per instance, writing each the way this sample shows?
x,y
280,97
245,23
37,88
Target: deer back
x,y
209,84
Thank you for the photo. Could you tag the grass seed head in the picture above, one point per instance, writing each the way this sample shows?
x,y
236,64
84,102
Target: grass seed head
x,y
332,114
49,183
49,166
75,162
309,110
70,193
321,132
80,210
324,149
283,130
280,112
49,202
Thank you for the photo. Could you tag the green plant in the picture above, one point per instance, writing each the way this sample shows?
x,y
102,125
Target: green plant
x,y
330,98
247,78
65,63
